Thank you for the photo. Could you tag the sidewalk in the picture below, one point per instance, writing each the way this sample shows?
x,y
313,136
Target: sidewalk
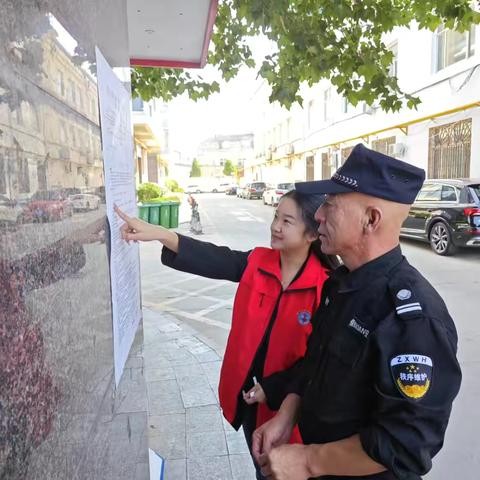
x,y
182,369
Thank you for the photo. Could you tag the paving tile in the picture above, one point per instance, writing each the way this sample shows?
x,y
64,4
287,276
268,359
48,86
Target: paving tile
x,y
186,370
159,374
197,397
212,468
142,471
166,405
212,371
176,469
206,444
242,467
165,425
169,447
236,442
207,356
190,382
204,419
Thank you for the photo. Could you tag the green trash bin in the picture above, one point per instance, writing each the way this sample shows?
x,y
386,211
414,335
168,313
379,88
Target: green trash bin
x,y
174,208
143,212
154,213
165,214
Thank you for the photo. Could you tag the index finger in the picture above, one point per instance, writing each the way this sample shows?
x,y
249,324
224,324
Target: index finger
x,y
257,438
121,214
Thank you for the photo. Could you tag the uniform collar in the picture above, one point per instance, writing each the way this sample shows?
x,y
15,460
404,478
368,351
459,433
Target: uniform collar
x,y
351,281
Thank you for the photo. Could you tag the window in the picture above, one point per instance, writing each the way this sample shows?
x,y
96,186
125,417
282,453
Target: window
x,y
23,175
449,194
63,134
345,153
452,47
60,83
3,180
310,113
383,145
137,105
449,150
80,97
73,95
430,193
393,69
73,135
327,96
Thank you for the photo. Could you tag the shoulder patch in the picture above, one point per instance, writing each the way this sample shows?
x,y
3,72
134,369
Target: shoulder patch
x,y
404,298
412,374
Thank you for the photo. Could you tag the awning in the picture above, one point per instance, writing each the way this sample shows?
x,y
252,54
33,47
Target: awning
x,y
170,33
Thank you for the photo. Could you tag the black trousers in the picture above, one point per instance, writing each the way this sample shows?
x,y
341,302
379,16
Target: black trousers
x,y
249,425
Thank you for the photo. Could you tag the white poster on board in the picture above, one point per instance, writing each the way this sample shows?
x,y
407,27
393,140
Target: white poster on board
x,y
117,146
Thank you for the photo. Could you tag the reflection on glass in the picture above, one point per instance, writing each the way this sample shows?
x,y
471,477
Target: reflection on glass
x,y
57,407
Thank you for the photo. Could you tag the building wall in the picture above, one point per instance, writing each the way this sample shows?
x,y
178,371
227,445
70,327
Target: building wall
x,y
326,122
214,152
60,414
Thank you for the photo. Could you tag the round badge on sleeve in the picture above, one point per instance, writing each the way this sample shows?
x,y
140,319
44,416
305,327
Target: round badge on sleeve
x,y
304,317
404,294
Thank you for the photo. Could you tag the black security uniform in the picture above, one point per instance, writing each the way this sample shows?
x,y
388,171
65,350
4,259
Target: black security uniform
x,y
381,363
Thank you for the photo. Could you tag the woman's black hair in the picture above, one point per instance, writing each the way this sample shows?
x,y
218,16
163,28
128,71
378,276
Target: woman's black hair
x,y
308,205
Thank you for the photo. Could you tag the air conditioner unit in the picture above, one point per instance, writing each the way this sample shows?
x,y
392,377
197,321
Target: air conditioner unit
x,y
290,149
397,149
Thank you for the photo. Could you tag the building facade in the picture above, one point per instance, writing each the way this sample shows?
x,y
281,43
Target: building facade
x,y
214,152
442,136
150,133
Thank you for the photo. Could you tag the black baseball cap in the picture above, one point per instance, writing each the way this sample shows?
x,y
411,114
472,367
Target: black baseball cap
x,y
372,173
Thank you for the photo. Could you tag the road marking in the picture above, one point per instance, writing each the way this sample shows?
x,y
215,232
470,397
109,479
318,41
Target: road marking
x,y
189,315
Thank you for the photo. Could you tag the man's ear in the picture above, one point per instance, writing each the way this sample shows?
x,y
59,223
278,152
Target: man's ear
x,y
373,217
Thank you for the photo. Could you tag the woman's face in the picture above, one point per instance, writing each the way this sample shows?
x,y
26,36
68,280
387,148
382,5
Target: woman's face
x,y
288,231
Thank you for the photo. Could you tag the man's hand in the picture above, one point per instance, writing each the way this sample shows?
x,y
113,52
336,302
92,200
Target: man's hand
x,y
286,462
275,432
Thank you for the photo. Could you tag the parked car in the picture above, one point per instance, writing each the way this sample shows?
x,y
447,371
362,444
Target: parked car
x,y
446,213
273,193
221,187
85,201
11,212
48,205
254,190
194,189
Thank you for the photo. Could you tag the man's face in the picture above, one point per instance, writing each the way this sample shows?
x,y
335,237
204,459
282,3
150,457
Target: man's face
x,y
340,219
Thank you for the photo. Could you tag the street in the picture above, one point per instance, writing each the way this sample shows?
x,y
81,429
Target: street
x,y
205,306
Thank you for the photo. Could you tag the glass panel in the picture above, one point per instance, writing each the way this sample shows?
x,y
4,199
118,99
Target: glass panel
x,y
430,193
449,194
59,417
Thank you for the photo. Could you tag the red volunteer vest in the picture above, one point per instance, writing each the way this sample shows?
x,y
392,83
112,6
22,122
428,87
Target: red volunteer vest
x,y
255,300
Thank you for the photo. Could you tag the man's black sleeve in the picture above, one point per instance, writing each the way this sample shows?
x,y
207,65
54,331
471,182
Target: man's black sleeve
x,y
279,384
417,377
206,259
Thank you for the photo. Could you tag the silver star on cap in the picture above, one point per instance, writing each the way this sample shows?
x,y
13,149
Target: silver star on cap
x,y
404,294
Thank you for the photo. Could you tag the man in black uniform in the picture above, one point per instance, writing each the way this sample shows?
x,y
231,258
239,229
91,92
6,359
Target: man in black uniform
x,y
373,395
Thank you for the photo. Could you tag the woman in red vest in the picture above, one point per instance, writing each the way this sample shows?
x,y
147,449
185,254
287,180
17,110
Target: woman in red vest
x,y
279,290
